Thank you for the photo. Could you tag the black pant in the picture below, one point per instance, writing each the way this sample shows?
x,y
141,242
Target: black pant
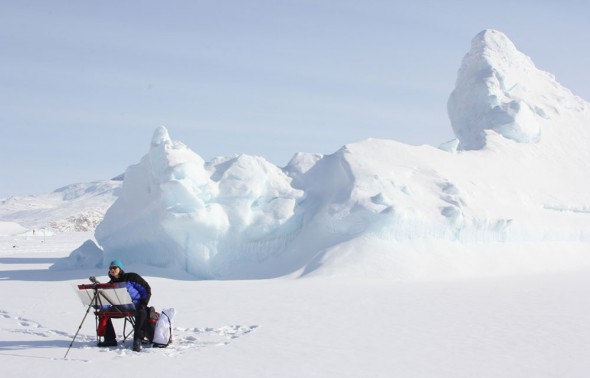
x,y
140,317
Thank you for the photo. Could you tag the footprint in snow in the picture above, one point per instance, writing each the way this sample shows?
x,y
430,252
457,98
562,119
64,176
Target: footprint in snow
x,y
27,326
185,339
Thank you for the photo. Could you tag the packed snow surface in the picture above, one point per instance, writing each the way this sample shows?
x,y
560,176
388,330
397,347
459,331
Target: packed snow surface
x,y
518,326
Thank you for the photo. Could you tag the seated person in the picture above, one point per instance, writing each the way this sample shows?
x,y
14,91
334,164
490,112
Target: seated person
x,y
140,293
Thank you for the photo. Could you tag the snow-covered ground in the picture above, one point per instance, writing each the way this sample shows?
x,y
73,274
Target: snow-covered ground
x,y
507,326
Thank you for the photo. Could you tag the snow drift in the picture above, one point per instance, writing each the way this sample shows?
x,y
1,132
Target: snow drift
x,y
514,179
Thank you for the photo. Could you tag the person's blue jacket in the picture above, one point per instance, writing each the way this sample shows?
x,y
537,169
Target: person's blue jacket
x,y
138,288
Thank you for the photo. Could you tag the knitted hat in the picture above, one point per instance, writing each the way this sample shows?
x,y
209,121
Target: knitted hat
x,y
117,263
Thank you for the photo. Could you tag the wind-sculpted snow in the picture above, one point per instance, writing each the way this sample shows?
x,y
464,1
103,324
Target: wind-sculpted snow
x,y
515,179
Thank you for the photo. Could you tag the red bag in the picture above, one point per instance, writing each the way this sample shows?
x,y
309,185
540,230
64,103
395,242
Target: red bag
x,y
102,325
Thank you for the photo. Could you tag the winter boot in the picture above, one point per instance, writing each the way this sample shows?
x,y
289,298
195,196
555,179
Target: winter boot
x,y
137,345
107,343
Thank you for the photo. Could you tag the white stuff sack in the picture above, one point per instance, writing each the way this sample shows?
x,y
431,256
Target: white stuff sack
x,y
163,331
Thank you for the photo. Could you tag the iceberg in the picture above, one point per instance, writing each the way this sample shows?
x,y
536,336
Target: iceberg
x,y
514,179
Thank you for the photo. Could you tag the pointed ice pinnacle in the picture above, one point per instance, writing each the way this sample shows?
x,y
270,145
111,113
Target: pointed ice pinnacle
x,y
160,137
497,89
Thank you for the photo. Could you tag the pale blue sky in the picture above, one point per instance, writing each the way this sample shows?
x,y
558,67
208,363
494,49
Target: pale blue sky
x,y
83,84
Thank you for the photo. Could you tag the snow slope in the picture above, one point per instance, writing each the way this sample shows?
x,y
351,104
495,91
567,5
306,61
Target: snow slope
x,y
76,207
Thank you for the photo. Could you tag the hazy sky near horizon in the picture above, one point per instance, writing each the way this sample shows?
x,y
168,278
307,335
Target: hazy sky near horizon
x,y
84,84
